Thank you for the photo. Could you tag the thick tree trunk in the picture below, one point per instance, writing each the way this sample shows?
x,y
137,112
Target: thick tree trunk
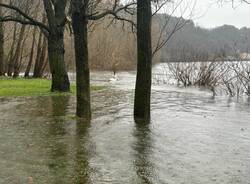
x,y
55,13
144,59
82,64
27,71
60,80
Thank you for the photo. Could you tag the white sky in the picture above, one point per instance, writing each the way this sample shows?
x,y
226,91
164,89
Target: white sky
x,y
209,14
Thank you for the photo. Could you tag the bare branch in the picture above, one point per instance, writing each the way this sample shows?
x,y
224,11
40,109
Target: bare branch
x,y
29,20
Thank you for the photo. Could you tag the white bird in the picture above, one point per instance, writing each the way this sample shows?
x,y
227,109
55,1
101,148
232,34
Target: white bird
x,y
114,78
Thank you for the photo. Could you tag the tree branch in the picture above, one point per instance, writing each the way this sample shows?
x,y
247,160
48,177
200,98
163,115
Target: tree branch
x,y
29,20
113,12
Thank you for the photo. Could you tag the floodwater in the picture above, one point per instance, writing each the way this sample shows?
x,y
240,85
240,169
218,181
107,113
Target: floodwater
x,y
193,138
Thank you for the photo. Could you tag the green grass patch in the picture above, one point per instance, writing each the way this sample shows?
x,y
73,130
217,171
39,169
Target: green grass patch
x,y
32,87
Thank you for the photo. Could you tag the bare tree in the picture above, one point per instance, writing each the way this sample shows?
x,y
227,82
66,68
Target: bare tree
x,y
57,19
82,12
144,59
54,32
31,57
40,56
17,55
11,52
80,26
32,52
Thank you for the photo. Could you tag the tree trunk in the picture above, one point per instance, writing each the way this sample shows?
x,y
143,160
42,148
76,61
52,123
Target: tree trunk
x,y
17,54
31,58
45,64
144,62
2,64
38,55
60,80
37,73
40,59
82,64
27,71
55,12
11,53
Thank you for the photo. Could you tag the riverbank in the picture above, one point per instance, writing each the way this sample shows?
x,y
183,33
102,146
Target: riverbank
x,y
32,87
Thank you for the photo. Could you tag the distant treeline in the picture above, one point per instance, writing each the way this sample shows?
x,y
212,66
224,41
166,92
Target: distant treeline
x,y
113,46
193,43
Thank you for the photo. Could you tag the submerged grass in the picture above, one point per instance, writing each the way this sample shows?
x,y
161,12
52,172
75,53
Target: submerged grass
x,y
32,87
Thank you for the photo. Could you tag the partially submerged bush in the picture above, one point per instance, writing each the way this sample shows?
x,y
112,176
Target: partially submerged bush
x,y
231,77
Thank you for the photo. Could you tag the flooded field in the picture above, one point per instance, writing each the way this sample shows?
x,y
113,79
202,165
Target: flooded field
x,y
193,138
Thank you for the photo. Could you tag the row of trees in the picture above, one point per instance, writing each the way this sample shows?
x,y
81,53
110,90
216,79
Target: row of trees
x,y
81,12
111,47
78,15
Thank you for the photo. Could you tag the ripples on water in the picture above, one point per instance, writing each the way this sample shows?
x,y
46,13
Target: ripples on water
x,y
193,138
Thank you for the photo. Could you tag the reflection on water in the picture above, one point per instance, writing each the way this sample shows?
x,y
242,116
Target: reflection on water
x,y
143,150
58,149
82,169
193,138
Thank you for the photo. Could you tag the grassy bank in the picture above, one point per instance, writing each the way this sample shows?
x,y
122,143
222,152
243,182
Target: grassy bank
x,y
31,87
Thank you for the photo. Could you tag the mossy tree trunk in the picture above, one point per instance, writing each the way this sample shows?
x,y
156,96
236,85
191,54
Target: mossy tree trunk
x,y
60,80
80,29
55,12
54,31
144,62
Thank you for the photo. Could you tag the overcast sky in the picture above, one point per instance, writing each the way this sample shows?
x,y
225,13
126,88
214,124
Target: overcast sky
x,y
210,15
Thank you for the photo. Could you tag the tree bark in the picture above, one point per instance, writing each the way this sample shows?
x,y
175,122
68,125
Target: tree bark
x,y
60,80
56,16
80,24
144,62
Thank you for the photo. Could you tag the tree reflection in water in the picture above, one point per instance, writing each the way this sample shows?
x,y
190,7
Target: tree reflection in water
x,y
143,151
57,145
82,154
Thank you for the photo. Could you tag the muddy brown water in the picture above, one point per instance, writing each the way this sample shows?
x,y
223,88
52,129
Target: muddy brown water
x,y
193,138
